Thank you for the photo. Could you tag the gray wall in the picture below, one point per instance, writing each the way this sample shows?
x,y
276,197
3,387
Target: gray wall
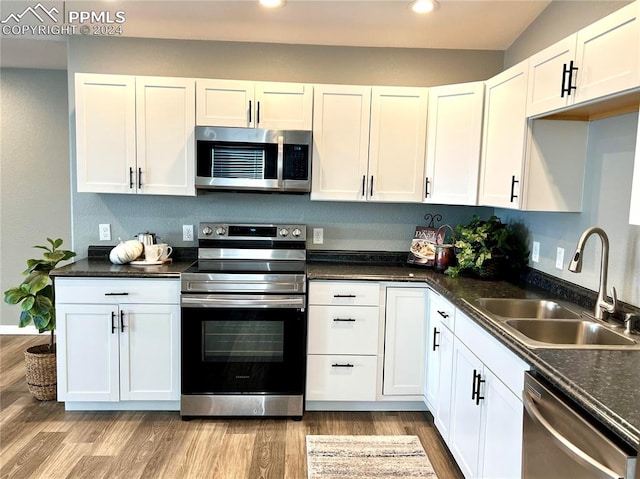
x,y
34,170
357,226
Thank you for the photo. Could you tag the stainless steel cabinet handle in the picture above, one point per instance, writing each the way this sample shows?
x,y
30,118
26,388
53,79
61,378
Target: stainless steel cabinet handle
x,y
567,446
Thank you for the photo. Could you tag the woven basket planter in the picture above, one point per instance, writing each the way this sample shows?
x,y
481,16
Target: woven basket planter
x,y
41,372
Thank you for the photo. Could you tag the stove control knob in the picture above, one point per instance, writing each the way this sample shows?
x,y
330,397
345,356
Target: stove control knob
x,y
284,232
207,231
296,233
220,231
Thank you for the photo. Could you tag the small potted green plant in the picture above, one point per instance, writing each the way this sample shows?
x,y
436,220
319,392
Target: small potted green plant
x,y
489,249
35,295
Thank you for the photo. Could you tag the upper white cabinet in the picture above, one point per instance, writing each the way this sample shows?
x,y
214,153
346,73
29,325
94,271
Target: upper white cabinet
x,y
268,105
369,143
503,139
634,214
340,142
135,134
404,343
454,131
599,60
535,164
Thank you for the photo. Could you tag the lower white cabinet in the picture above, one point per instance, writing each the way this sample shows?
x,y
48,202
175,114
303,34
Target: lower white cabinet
x,y
118,340
485,435
404,341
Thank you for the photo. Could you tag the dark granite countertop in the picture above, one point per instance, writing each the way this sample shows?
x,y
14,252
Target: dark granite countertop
x,y
606,384
101,268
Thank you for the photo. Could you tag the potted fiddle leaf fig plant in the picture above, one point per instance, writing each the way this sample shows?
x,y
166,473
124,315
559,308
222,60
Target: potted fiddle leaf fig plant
x,y
35,296
489,249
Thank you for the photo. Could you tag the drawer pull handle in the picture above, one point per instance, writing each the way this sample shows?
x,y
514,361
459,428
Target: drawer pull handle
x,y
113,323
435,336
443,314
344,320
342,365
475,391
116,294
122,321
344,295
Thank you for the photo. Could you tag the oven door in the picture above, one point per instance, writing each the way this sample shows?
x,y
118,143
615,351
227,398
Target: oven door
x,y
243,344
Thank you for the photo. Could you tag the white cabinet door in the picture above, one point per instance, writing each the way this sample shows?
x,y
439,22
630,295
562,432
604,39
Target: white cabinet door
x,y
442,415
501,438
608,55
504,136
547,77
340,142
150,352
165,124
341,377
87,352
634,215
406,313
433,362
454,130
284,106
225,103
105,133
465,415
397,144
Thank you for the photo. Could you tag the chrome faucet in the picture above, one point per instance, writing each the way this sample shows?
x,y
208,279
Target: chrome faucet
x,y
602,302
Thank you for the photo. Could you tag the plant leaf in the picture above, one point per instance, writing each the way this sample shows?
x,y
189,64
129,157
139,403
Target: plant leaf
x,y
28,302
14,295
25,319
37,281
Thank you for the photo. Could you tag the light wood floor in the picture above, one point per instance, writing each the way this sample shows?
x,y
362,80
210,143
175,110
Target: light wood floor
x,y
41,440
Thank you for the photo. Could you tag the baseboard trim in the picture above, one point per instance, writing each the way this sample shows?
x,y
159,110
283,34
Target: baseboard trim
x,y
14,329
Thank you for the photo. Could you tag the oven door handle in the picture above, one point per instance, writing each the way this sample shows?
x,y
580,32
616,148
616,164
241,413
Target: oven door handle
x,y
567,446
244,301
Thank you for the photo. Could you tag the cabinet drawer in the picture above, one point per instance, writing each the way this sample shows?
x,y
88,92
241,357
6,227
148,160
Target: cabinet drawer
x,y
117,291
341,378
344,293
343,330
442,309
495,356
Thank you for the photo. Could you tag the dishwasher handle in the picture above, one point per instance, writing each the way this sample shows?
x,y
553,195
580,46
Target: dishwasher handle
x,y
564,443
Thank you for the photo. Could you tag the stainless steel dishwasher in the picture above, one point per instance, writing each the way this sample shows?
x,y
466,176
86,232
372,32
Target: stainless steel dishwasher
x,y
558,443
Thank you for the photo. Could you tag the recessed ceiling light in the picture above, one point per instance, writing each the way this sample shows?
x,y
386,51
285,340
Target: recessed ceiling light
x,y
424,6
272,3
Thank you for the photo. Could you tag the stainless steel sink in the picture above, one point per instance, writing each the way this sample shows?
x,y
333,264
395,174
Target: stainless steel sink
x,y
526,308
549,324
568,333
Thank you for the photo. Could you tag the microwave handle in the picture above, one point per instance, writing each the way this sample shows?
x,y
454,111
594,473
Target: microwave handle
x,y
280,158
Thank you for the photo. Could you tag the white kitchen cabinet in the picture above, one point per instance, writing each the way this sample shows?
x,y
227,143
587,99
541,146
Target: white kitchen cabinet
x,y
268,105
135,134
341,116
454,131
397,144
439,372
342,360
404,343
605,57
369,143
503,138
533,165
634,214
118,340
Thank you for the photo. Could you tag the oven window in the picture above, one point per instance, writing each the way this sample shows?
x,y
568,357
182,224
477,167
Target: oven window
x,y
243,341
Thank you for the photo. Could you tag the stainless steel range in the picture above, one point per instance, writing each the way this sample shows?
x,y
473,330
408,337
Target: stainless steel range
x,y
244,322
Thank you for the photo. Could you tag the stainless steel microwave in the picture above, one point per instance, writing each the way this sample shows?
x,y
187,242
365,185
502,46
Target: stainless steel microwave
x,y
253,159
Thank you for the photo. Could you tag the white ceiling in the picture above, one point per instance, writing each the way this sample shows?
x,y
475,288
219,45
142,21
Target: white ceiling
x,y
457,24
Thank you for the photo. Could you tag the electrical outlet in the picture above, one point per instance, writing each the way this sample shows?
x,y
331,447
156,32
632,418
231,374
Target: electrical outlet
x,y
105,232
535,252
560,258
318,235
187,232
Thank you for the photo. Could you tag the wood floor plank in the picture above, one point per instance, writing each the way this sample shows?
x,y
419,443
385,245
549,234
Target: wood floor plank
x,y
42,440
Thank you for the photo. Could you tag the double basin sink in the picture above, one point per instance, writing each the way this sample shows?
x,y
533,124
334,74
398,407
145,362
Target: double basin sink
x,y
541,323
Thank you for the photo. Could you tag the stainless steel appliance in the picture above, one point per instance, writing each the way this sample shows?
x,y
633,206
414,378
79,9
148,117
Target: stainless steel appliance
x,y
244,322
559,443
253,159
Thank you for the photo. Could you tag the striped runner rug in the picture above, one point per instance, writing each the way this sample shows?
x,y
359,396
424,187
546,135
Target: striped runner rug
x,y
367,457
